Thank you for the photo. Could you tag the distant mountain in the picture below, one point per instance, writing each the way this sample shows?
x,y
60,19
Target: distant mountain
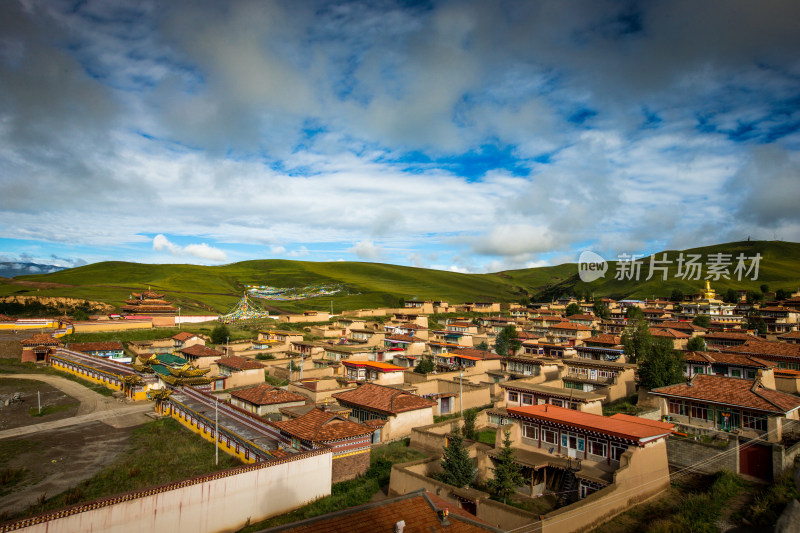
x,y
13,269
201,289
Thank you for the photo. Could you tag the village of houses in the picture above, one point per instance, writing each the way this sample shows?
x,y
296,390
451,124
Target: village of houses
x,y
354,387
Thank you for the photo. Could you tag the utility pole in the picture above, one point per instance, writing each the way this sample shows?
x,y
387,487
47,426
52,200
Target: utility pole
x,y
227,345
179,317
216,431
39,396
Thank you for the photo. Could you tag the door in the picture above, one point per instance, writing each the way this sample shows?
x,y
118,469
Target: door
x,y
445,405
755,460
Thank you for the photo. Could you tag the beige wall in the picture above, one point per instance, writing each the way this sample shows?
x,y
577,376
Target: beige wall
x,y
243,378
263,409
473,395
400,426
112,325
217,502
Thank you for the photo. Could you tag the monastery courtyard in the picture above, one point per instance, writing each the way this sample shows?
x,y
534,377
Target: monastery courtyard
x,y
80,433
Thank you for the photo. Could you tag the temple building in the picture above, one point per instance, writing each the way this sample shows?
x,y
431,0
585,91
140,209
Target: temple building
x,y
150,304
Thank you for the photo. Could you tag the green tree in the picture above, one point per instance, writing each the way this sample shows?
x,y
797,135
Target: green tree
x,y
731,296
601,310
483,345
754,297
425,366
468,429
636,339
661,365
80,314
507,342
634,312
507,474
696,344
704,321
677,295
756,323
573,309
458,469
764,288
220,334
782,294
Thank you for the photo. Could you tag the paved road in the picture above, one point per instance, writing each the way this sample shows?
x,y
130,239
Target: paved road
x,y
93,407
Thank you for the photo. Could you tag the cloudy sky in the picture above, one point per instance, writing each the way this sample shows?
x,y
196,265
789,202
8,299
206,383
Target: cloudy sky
x,y
470,136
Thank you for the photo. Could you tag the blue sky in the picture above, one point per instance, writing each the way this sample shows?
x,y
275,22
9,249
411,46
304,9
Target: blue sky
x,y
467,136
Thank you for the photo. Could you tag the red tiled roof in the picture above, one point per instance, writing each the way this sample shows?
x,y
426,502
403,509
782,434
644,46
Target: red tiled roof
x,y
475,353
264,394
732,391
6,318
668,333
621,427
767,348
778,309
681,326
582,317
200,351
41,339
604,338
790,335
730,335
322,426
95,346
384,399
728,359
239,363
184,336
419,510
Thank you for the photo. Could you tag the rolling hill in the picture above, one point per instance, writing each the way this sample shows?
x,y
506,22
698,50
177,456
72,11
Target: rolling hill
x,y
200,289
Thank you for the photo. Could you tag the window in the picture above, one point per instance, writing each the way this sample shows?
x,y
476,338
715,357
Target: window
x,y
676,407
736,372
550,437
529,431
557,403
513,396
759,423
699,370
598,448
701,411
527,399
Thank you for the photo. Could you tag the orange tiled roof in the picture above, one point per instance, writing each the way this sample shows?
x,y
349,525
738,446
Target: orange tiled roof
x,y
375,365
790,335
322,426
239,363
6,318
419,510
571,326
41,339
384,399
404,338
582,317
732,391
620,427
264,394
681,326
730,335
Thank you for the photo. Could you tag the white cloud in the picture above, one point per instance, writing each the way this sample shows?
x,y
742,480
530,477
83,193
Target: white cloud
x,y
367,250
277,250
300,252
201,251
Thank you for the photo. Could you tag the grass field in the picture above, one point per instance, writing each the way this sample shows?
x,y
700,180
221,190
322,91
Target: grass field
x,y
202,289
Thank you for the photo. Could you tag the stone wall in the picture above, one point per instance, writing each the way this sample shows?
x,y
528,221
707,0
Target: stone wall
x,y
349,466
703,457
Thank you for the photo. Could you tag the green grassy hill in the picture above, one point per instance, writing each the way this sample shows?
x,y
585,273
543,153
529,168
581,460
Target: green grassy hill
x,y
202,288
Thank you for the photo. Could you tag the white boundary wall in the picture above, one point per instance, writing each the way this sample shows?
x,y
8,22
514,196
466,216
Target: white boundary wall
x,y
213,503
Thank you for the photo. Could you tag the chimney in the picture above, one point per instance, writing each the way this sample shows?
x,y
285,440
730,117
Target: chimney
x,y
398,527
443,514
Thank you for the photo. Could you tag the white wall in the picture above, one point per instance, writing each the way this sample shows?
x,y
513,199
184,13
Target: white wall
x,y
217,502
